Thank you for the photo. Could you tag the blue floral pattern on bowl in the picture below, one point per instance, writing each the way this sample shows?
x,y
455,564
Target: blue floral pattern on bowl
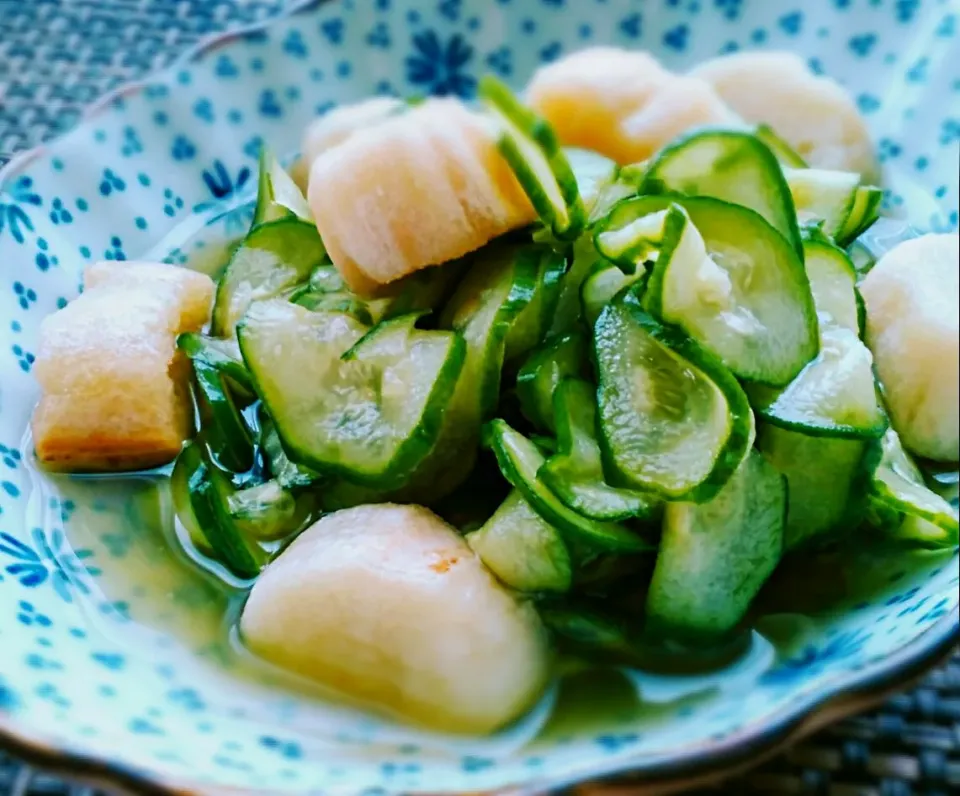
x,y
111,645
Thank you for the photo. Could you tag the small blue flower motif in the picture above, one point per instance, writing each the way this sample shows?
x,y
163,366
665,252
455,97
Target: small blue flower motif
x,y
220,183
472,763
29,616
131,142
252,148
59,214
49,560
111,182
551,52
13,216
614,743
25,360
438,67
287,749
115,252
294,45
183,148
676,38
203,110
863,44
906,9
950,131
450,9
792,23
269,105
888,149
333,30
812,660
44,259
379,36
225,67
500,61
918,72
632,26
729,8
868,103
10,457
172,202
947,26
25,295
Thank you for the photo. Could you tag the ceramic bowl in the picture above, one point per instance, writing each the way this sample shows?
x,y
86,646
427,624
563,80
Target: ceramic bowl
x,y
115,662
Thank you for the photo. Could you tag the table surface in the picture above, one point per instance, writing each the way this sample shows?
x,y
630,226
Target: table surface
x,y
49,71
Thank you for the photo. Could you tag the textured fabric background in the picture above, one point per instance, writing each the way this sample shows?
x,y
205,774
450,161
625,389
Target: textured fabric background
x,y
56,56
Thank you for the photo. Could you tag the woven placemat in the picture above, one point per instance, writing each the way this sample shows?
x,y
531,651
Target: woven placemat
x,y
56,56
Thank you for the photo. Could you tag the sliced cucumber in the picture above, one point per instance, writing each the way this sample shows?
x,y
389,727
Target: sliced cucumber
x,y
222,354
210,490
286,473
531,325
834,396
593,173
823,196
785,153
715,556
523,550
188,462
530,146
575,473
732,283
583,257
827,481
519,461
633,246
558,358
272,258
673,419
730,165
370,415
278,196
426,289
267,511
899,487
603,283
326,278
863,215
225,429
345,303
833,281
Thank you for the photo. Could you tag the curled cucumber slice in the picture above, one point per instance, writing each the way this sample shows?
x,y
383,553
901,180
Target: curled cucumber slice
x,y
558,358
730,165
822,196
575,472
519,461
919,514
863,214
673,420
530,146
603,283
277,194
785,153
730,281
521,549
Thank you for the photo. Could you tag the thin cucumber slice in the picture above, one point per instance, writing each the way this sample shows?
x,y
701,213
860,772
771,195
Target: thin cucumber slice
x,y
634,245
345,303
730,165
823,196
833,281
532,323
370,415
603,283
498,285
673,419
222,354
426,289
575,473
863,215
266,512
188,462
583,257
272,258
898,486
326,279
834,396
225,429
522,550
278,196
210,490
827,480
530,146
558,358
286,473
715,556
731,282
785,153
598,181
519,461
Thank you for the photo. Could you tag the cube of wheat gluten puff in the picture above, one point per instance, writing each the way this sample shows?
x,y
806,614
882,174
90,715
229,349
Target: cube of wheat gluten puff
x,y
115,394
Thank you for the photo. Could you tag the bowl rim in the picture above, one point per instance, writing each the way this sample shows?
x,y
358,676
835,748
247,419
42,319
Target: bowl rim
x,y
854,692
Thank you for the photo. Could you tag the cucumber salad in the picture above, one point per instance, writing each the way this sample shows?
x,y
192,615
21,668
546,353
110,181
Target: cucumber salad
x,y
483,389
